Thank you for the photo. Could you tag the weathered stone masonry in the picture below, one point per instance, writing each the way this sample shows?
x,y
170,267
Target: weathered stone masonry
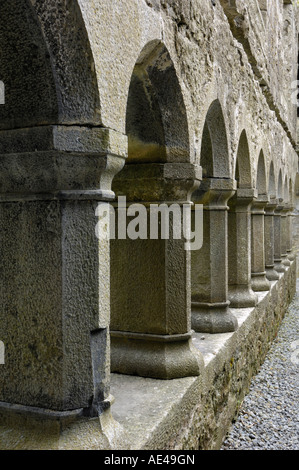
x,y
140,344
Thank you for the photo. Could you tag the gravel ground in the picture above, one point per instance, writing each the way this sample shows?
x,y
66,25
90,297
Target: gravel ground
x,y
269,416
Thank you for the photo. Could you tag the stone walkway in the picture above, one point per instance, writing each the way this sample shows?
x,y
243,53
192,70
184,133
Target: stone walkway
x,y
269,416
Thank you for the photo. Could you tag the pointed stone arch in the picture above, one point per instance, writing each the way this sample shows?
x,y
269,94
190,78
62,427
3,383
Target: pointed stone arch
x,y
272,181
214,148
243,165
280,185
261,177
286,193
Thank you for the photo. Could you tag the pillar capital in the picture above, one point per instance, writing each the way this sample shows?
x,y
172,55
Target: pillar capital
x,y
271,206
153,182
259,204
242,199
214,193
286,209
60,162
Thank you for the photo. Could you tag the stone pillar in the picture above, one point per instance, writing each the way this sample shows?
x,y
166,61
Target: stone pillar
x,y
150,279
271,274
278,266
55,302
240,293
285,235
209,267
259,281
290,242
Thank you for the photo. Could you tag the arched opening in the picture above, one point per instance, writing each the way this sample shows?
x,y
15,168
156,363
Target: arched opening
x,y
259,281
25,69
156,121
290,221
285,223
243,166
272,181
280,192
261,179
209,272
296,213
286,193
150,306
278,227
271,273
214,158
240,293
47,68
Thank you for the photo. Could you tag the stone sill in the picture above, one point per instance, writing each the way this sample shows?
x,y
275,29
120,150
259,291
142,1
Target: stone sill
x,y
159,414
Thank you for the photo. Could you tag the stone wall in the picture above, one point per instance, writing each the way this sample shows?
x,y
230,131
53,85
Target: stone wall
x,y
161,101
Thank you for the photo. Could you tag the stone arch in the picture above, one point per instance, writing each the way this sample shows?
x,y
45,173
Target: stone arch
x,y
156,119
280,186
272,184
261,179
214,148
46,65
243,165
286,193
157,173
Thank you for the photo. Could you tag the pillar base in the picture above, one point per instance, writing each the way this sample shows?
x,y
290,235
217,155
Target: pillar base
x,y
292,255
155,356
279,267
271,273
285,261
259,282
212,318
29,428
241,296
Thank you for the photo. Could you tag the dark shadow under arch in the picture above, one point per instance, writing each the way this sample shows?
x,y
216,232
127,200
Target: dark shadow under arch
x,y
280,186
261,179
272,184
156,119
243,165
214,148
46,65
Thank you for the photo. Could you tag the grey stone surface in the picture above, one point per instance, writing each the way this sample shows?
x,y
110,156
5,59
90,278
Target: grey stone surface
x,y
186,90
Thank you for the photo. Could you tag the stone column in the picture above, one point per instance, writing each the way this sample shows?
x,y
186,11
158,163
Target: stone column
x,y
271,274
150,278
278,266
240,293
285,235
209,267
259,281
290,247
55,301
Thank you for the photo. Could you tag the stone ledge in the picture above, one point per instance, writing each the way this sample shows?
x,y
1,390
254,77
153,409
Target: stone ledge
x,y
196,412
